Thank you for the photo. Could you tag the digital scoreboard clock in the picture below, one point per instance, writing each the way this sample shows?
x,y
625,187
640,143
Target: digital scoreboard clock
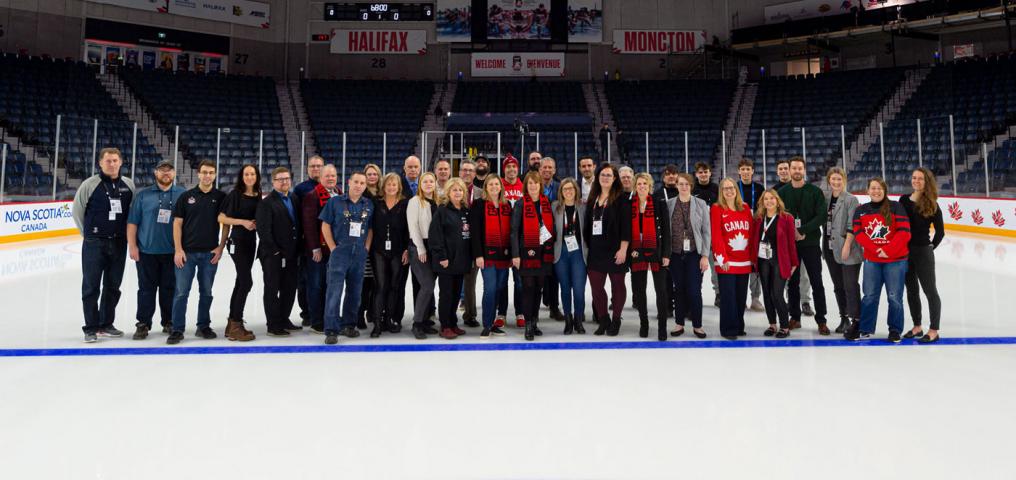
x,y
379,12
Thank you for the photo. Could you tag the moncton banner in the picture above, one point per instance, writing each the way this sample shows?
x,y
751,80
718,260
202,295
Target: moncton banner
x,y
28,221
659,41
242,12
534,64
390,42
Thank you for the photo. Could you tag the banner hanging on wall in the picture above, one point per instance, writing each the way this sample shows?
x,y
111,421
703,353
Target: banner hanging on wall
x,y
242,12
536,64
379,42
659,41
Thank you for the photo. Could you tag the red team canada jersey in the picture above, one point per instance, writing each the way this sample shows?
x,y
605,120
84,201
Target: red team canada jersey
x,y
872,232
512,191
731,232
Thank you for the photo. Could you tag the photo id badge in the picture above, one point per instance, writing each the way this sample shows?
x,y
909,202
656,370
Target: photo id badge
x,y
354,229
164,215
597,227
571,243
765,251
797,223
115,206
283,263
112,216
388,245
686,245
544,234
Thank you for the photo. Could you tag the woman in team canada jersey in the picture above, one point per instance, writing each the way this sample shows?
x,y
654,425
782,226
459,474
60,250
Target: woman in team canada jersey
x,y
649,251
730,219
491,220
882,229
532,240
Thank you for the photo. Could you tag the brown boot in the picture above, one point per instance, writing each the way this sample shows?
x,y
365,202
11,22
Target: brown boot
x,y
795,324
236,333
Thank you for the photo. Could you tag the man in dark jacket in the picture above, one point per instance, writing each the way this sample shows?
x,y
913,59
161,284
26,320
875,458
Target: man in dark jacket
x,y
316,254
100,210
278,228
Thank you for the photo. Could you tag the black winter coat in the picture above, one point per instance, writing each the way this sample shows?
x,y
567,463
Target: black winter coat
x,y
450,240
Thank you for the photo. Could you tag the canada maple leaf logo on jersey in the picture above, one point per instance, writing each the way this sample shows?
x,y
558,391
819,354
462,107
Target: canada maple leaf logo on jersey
x,y
738,243
877,230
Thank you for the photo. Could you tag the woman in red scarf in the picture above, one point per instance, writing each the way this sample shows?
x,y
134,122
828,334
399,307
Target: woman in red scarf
x,y
491,220
532,240
649,250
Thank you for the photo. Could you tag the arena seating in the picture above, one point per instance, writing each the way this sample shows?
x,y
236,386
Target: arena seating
x,y
668,109
981,96
33,91
820,104
544,98
242,106
370,113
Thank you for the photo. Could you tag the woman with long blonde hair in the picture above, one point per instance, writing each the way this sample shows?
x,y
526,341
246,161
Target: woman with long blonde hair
x,y
731,220
842,258
490,222
419,215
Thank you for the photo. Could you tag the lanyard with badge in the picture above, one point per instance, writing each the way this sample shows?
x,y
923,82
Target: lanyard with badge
x,y
571,243
598,221
465,224
686,242
115,205
165,214
765,251
356,228
544,232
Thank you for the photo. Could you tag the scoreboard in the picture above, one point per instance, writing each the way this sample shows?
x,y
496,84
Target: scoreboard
x,y
379,12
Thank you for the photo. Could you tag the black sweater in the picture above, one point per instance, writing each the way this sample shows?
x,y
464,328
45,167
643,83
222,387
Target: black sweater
x,y
920,225
616,219
447,241
390,225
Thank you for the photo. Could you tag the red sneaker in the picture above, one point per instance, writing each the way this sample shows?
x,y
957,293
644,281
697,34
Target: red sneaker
x,y
448,333
520,321
499,321
459,331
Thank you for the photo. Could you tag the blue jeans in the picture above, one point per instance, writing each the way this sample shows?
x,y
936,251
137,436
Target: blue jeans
x,y
102,264
892,275
345,273
156,273
571,274
502,299
202,262
495,281
316,277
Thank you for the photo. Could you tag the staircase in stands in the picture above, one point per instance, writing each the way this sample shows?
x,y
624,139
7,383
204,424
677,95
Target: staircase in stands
x,y
886,114
742,107
435,120
299,138
597,105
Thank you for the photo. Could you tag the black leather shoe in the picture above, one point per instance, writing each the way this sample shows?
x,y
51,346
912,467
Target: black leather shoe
x,y
699,334
331,338
430,330
378,328
644,328
615,328
577,324
844,324
419,334
350,332
568,321
603,324
471,323
929,339
911,334
530,335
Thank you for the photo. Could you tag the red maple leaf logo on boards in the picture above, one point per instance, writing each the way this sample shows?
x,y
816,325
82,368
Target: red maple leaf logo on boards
x,y
978,219
954,211
998,218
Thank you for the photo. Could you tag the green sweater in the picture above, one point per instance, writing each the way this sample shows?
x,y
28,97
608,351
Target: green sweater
x,y
807,204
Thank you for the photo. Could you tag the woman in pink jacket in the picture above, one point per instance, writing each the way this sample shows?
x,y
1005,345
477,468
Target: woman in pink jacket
x,y
774,257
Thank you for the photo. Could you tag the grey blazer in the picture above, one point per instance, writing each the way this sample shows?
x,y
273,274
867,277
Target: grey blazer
x,y
699,224
558,209
841,223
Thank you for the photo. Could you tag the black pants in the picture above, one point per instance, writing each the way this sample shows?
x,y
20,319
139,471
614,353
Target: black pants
x,y
280,289
387,272
733,294
156,276
639,289
532,288
102,264
448,304
845,285
810,258
687,280
922,270
367,292
551,289
243,253
773,288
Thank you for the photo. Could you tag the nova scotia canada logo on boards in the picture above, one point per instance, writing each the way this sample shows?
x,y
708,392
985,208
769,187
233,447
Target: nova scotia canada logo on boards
x,y
36,219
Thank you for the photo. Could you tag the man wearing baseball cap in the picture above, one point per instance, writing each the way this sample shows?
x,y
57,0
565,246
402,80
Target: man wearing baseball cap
x,y
150,244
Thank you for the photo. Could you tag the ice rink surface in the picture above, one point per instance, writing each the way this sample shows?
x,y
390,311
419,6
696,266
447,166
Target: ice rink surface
x,y
560,407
